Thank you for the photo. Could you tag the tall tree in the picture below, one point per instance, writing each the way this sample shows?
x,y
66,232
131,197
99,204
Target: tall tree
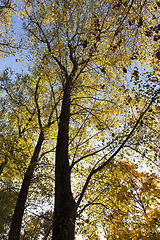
x,y
77,92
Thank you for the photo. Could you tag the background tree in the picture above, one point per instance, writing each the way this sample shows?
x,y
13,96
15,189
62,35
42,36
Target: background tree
x,y
83,112
124,207
7,39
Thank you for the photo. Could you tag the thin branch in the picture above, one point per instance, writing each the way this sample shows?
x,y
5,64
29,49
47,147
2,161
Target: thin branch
x,y
94,171
50,50
94,98
37,105
84,122
55,104
93,153
88,204
45,40
48,231
136,150
49,151
129,8
74,137
90,111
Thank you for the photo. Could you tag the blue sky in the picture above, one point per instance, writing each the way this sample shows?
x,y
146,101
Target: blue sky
x,y
11,62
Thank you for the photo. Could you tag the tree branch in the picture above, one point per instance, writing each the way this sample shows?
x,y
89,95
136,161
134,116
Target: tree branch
x,y
94,171
93,153
36,101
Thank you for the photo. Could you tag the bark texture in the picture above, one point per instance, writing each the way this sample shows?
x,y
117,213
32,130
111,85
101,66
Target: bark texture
x,y
65,207
15,229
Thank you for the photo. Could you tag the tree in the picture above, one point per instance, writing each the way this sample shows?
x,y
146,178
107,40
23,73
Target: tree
x,y
126,207
7,40
76,99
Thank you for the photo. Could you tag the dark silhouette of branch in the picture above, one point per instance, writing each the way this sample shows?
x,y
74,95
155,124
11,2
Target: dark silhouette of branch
x,y
95,170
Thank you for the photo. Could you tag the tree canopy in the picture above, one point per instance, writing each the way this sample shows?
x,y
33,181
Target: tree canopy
x,y
77,127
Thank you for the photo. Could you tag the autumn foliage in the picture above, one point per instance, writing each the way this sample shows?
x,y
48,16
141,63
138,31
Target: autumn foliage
x,y
79,127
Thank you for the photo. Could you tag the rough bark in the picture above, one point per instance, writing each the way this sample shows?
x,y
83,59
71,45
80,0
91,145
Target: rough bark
x,y
65,207
15,229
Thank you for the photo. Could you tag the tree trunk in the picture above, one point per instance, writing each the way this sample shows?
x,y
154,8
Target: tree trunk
x,y
64,206
15,229
3,164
